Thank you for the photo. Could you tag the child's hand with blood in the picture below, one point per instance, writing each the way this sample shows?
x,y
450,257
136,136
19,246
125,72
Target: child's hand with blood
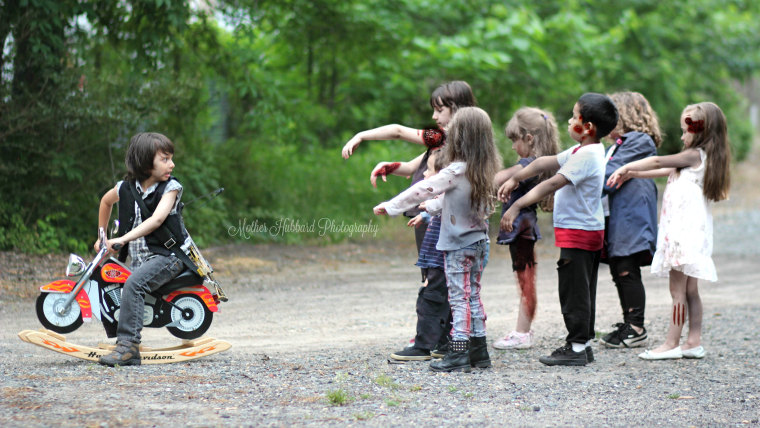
x,y
382,169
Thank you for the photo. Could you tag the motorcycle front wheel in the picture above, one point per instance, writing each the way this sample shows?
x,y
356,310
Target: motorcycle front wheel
x,y
48,312
193,316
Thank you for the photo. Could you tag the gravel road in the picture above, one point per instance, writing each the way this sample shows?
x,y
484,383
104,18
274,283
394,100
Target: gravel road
x,y
312,327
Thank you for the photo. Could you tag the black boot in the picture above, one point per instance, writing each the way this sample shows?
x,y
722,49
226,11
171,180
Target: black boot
x,y
457,359
126,354
479,353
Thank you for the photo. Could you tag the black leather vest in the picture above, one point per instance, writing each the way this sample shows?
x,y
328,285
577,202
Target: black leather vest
x,y
127,219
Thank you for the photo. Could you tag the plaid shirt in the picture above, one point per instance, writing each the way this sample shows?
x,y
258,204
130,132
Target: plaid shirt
x,y
138,248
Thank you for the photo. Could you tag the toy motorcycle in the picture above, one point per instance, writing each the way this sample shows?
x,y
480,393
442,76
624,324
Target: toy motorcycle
x,y
185,305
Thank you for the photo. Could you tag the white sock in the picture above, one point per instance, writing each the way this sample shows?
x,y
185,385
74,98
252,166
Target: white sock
x,y
578,347
588,344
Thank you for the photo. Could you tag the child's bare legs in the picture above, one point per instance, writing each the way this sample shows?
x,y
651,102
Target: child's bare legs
x,y
684,292
526,279
694,302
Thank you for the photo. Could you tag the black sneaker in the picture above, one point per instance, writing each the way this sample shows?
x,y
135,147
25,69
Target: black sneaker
x,y
589,354
565,356
624,337
411,354
440,351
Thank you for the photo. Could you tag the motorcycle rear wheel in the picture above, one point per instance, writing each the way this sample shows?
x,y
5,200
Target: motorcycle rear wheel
x,y
47,312
195,318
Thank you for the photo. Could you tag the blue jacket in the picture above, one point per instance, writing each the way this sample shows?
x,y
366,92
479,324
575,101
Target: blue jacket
x,y
633,208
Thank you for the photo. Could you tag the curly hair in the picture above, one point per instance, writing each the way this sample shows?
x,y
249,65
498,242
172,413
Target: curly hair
x,y
635,114
470,140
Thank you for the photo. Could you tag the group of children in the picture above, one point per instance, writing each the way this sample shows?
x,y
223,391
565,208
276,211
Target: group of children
x,y
604,209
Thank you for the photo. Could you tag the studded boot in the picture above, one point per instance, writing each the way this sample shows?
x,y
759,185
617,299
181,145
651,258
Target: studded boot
x,y
479,353
126,354
457,359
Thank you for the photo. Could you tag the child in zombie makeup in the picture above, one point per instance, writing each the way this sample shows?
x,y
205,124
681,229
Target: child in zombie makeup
x,y
468,186
433,311
578,220
698,175
445,100
534,134
630,216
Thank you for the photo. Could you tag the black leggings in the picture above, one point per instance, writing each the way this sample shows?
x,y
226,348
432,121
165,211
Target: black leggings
x,y
626,274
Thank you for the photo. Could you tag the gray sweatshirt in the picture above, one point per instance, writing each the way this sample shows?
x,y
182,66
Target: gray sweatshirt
x,y
460,226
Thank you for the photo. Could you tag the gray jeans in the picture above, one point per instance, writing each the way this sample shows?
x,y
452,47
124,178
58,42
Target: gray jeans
x,y
464,268
152,274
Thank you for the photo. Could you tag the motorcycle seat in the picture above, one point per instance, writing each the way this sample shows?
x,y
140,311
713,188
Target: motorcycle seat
x,y
186,278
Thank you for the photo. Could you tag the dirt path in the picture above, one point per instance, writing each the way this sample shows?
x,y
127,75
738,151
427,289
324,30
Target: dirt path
x,y
311,324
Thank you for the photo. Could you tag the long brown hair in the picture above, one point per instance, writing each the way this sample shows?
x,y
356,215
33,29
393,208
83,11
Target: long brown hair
x,y
470,140
543,127
635,114
713,139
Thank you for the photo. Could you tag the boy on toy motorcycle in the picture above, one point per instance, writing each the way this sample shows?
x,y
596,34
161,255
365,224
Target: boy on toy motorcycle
x,y
144,235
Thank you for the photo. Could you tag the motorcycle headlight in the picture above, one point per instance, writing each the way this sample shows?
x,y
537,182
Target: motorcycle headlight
x,y
76,265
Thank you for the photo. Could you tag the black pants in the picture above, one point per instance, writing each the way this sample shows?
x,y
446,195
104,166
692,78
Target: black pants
x,y
630,287
433,311
577,271
419,235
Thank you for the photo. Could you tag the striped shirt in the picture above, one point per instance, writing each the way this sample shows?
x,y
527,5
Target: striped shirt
x,y
429,256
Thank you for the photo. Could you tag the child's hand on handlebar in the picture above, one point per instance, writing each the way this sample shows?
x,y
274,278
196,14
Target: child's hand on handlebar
x,y
114,245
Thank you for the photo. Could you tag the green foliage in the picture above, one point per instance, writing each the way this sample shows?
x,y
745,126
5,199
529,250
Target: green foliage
x,y
338,397
262,102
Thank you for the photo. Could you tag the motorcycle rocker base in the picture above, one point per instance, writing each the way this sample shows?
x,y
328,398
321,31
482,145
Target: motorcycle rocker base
x,y
188,350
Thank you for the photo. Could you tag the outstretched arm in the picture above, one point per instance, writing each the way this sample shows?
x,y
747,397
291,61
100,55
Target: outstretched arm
x,y
655,166
536,194
506,174
387,132
403,169
542,164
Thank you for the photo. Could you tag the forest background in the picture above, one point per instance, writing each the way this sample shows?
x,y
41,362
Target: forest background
x,y
260,96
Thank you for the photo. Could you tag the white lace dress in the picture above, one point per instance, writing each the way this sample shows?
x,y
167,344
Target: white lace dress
x,y
685,236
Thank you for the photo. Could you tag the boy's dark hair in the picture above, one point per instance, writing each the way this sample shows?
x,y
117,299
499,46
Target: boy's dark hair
x,y
454,95
141,152
599,110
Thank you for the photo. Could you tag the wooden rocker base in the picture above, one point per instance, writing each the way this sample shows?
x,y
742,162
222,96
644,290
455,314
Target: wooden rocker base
x,y
188,350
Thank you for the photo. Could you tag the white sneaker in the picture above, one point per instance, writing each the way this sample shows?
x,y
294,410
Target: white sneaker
x,y
515,340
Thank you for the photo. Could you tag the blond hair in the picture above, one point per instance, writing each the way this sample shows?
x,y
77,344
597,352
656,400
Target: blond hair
x,y
542,126
713,139
635,114
470,140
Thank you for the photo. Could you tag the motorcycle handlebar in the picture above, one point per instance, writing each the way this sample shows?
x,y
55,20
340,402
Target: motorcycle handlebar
x,y
116,246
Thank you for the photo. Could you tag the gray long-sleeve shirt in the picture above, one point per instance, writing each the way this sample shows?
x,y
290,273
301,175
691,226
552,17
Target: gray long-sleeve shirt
x,y
460,226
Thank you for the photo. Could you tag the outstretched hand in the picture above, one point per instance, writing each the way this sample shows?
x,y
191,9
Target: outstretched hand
x,y
350,146
620,176
506,189
508,219
380,209
382,170
417,221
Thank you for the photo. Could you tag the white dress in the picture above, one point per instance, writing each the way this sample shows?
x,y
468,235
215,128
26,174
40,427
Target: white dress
x,y
685,236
